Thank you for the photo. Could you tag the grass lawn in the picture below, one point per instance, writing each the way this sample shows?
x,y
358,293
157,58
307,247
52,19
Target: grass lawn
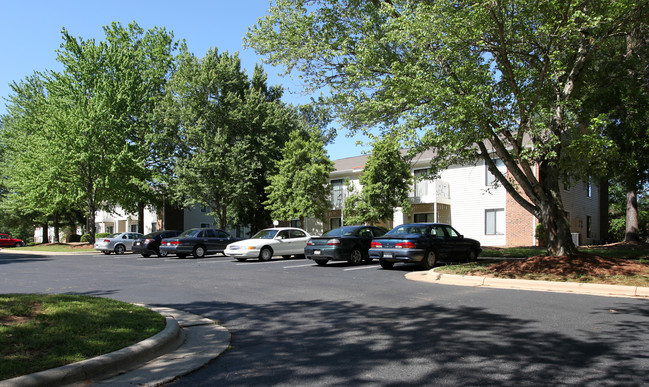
x,y
39,332
58,247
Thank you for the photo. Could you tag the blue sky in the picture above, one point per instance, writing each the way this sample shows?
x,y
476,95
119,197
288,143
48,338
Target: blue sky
x,y
30,32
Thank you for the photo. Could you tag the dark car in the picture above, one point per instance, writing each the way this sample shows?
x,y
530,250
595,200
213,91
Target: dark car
x,y
423,243
150,243
9,241
198,242
348,243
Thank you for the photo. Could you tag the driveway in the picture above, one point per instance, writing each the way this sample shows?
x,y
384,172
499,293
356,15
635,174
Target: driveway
x,y
296,323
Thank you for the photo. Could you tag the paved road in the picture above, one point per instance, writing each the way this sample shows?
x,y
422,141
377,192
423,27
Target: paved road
x,y
295,323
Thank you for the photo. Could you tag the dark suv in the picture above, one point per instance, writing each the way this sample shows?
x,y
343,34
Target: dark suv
x,y
150,243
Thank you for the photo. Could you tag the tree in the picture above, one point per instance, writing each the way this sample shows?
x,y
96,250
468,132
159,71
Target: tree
x,y
85,129
614,102
470,79
386,184
300,188
231,129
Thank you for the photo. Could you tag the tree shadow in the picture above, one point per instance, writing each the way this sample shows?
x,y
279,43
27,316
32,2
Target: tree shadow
x,y
346,343
9,258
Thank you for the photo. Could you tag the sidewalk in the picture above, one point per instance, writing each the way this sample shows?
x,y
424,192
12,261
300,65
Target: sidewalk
x,y
187,343
431,276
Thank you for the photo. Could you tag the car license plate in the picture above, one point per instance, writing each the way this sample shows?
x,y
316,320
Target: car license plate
x,y
387,255
316,252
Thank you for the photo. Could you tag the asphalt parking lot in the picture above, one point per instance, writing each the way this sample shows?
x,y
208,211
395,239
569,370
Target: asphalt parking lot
x,y
293,322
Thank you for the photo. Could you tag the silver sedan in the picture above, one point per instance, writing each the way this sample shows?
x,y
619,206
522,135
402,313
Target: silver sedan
x,y
118,243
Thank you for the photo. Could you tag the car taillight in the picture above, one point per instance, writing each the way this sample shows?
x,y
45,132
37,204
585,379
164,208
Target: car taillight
x,y
376,244
309,243
405,245
106,240
172,243
148,240
333,242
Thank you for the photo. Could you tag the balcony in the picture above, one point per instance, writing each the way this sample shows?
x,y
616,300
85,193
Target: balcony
x,y
427,191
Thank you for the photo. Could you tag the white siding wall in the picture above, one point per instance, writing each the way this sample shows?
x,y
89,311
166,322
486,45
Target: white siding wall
x,y
469,200
579,206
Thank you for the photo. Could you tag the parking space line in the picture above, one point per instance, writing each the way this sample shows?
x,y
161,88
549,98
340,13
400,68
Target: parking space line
x,y
304,265
361,267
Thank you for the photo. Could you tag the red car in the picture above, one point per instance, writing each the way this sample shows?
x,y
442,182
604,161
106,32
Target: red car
x,y
8,241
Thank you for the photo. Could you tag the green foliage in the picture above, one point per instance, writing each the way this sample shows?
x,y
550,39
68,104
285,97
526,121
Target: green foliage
x,y
617,214
476,79
231,129
386,181
79,138
300,186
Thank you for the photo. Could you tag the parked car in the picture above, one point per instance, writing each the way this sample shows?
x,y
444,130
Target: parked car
x,y
424,243
197,241
8,241
348,243
284,241
150,243
119,243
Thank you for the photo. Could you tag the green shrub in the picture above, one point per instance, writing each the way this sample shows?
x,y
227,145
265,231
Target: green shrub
x,y
540,234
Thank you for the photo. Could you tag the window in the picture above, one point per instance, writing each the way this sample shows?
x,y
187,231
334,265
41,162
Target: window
x,y
589,226
450,232
297,234
589,187
337,193
109,229
424,218
334,223
205,225
495,221
203,208
490,179
421,182
134,228
154,227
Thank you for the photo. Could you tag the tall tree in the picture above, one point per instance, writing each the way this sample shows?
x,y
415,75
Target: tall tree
x,y
614,103
300,188
386,183
87,143
469,79
231,130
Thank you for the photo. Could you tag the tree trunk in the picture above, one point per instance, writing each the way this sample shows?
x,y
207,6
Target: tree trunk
x,y
632,233
46,237
56,238
91,222
140,218
553,216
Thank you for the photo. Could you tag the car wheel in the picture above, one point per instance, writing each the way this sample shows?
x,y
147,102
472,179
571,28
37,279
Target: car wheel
x,y
162,254
472,256
105,252
241,259
355,257
181,256
321,262
146,255
18,244
429,260
199,251
120,249
286,256
266,254
386,264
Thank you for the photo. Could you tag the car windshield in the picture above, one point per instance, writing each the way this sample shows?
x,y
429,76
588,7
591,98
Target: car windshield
x,y
408,229
265,234
189,233
341,231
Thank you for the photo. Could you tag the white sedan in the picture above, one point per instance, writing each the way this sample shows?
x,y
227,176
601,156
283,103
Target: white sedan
x,y
280,241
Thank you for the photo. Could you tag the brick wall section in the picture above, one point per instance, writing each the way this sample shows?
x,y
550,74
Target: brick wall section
x,y
519,223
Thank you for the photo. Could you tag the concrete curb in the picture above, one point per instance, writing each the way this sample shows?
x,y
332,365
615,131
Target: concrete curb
x,y
548,286
170,338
